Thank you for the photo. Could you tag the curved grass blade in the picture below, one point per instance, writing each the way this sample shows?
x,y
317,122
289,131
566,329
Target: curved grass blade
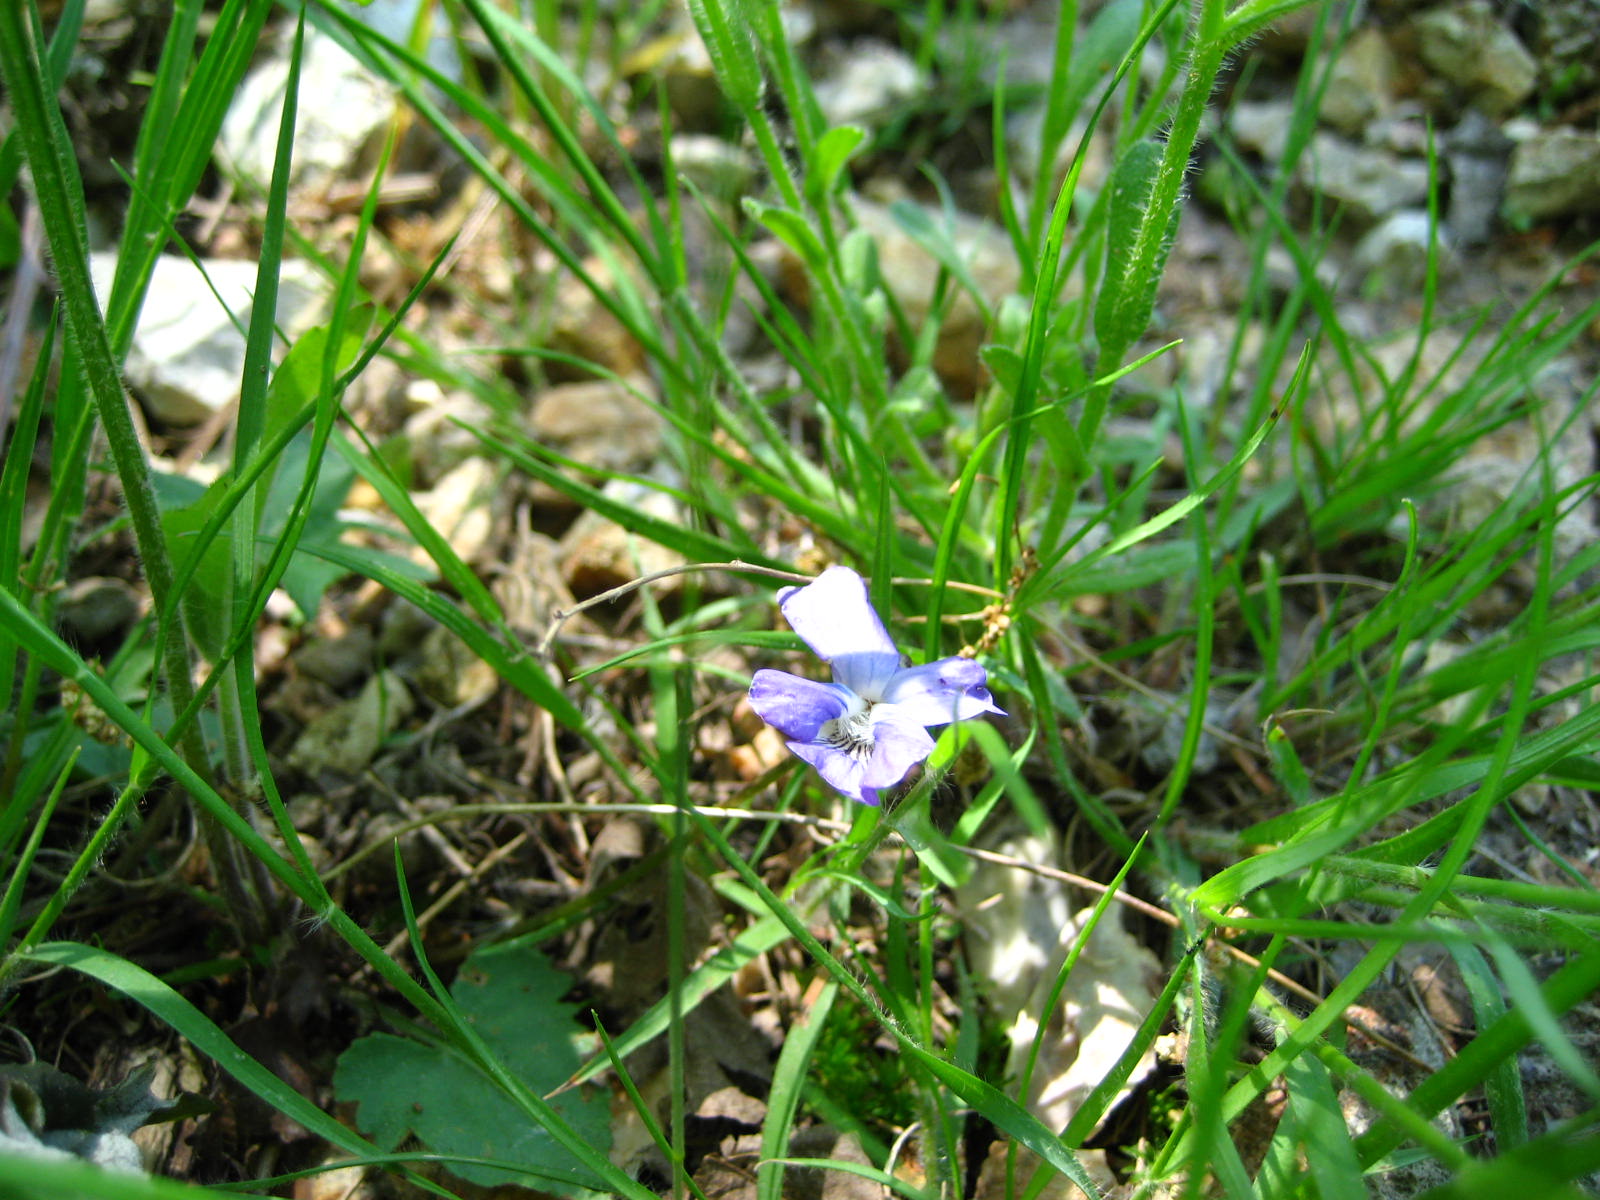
x,y
788,1079
1323,1130
1503,1086
59,186
23,863
764,935
460,1028
890,1183
74,1179
168,1006
516,667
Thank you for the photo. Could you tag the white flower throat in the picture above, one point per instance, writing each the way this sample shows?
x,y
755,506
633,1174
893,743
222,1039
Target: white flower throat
x,y
851,733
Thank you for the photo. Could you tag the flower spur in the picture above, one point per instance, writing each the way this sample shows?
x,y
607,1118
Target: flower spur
x,y
866,730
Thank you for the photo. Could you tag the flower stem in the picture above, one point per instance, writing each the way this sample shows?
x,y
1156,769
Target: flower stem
x,y
878,827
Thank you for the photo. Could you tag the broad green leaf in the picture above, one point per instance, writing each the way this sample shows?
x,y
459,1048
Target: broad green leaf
x,y
182,523
512,998
295,384
307,576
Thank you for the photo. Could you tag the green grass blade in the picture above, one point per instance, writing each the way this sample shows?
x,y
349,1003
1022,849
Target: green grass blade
x,y
53,165
168,1006
13,504
1571,985
788,1078
462,1032
693,544
641,1107
1099,1099
1553,1167
22,864
1025,394
75,1179
1322,1126
1503,1087
1005,1114
188,102
885,1180
764,935
515,666
1528,999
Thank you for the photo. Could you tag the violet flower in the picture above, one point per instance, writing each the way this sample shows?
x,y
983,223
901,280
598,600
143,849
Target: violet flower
x,y
866,730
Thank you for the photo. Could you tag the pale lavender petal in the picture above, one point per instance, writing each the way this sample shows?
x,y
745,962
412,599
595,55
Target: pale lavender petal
x,y
796,707
842,771
898,744
951,689
868,675
834,617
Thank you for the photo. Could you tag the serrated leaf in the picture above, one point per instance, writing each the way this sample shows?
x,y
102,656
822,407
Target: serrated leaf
x,y
512,997
500,989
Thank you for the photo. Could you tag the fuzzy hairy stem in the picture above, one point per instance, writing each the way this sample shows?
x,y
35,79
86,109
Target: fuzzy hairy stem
x,y
1147,257
59,192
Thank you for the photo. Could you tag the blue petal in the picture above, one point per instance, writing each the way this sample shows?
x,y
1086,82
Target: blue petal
x,y
898,744
868,674
797,708
951,689
834,617
842,772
